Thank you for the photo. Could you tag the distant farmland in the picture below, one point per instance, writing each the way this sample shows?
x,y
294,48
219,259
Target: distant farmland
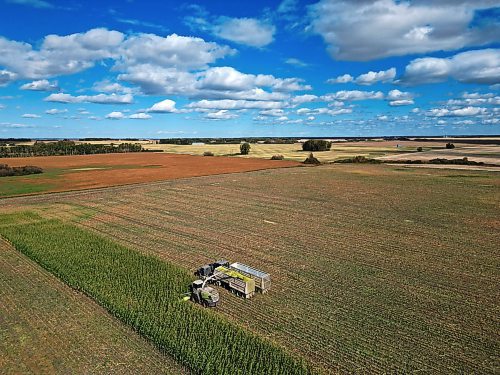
x,y
375,269
294,151
63,173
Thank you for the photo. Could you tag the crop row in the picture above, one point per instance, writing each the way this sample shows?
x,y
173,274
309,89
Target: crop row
x,y
43,323
146,293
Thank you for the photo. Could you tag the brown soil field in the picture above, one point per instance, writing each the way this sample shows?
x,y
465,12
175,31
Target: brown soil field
x,y
375,268
48,328
95,171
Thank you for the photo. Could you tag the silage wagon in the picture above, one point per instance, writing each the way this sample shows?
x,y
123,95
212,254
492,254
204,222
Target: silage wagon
x,y
262,279
234,281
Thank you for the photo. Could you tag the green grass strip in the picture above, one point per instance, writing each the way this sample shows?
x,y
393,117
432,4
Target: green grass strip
x,y
145,293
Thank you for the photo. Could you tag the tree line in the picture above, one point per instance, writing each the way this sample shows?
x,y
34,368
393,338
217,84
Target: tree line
x,y
235,141
65,148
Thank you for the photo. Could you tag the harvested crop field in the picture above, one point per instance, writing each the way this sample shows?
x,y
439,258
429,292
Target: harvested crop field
x,y
339,150
145,293
47,327
63,173
451,166
375,268
488,154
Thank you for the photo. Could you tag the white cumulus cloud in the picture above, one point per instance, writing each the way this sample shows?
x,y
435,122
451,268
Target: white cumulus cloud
x,y
59,55
229,79
55,111
307,98
371,78
107,86
324,111
40,85
69,54
353,95
6,77
458,112
399,98
97,99
398,103
274,112
249,31
115,116
140,116
372,29
479,66
475,99
366,79
165,106
346,78
172,51
222,114
235,104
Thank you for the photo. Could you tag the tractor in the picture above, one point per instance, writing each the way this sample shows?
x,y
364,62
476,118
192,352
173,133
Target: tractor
x,y
208,269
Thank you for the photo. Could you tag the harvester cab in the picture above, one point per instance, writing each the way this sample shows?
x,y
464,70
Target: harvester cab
x,y
204,295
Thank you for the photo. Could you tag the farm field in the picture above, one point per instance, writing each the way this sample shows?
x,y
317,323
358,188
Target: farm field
x,y
294,152
487,154
146,294
47,327
64,173
375,268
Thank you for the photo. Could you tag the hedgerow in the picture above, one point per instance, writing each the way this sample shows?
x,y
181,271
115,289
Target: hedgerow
x,y
146,293
6,171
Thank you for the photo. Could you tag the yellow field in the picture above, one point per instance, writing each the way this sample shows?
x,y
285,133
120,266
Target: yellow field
x,y
294,151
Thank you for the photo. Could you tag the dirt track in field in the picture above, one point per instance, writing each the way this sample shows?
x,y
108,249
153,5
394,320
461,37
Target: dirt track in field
x,y
131,168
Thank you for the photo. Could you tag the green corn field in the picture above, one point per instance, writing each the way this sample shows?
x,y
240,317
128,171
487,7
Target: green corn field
x,y
146,293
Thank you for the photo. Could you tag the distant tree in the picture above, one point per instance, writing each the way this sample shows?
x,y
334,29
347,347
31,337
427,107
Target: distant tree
x,y
311,160
419,149
450,145
245,148
316,145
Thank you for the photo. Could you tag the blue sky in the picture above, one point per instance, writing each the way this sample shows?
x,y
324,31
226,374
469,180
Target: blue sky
x,y
262,68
